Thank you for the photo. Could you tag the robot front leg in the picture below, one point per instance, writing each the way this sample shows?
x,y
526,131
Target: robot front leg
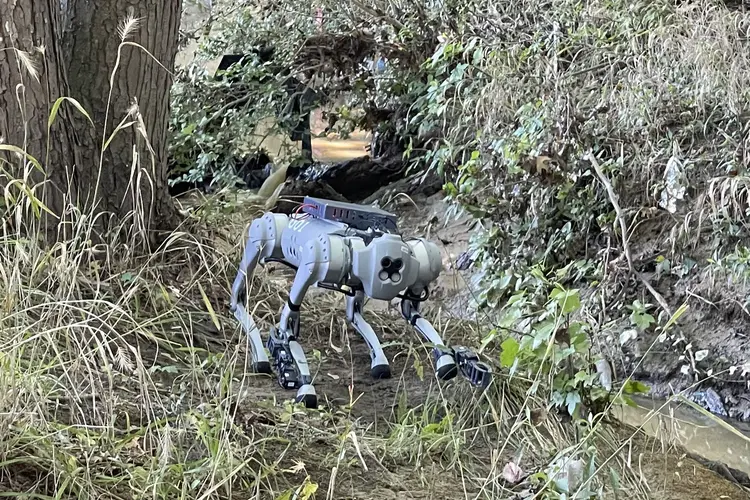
x,y
445,364
379,366
448,361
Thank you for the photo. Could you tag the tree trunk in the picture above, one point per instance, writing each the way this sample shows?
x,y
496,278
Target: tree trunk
x,y
80,50
31,79
133,177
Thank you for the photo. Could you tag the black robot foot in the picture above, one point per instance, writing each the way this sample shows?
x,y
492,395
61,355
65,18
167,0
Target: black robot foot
x,y
262,367
306,395
379,372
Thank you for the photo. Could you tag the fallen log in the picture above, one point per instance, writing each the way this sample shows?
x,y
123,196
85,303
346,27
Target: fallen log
x,y
354,179
419,185
294,191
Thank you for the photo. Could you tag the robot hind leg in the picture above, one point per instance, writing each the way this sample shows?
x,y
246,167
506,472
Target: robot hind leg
x,y
263,241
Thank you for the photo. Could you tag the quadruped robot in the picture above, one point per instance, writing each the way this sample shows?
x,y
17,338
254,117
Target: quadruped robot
x,y
356,250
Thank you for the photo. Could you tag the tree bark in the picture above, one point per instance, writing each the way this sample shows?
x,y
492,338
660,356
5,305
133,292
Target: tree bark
x,y
77,46
32,77
133,177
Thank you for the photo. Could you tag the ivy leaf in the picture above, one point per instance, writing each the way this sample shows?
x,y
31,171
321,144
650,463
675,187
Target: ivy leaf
x,y
642,320
567,300
509,352
572,400
557,398
543,332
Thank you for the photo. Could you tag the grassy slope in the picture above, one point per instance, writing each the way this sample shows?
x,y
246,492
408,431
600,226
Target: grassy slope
x,y
119,380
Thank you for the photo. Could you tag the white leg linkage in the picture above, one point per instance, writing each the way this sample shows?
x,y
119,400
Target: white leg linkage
x,y
445,364
324,259
448,360
263,242
379,366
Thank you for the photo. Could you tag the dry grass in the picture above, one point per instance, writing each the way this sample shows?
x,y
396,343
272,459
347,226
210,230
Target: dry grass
x,y
123,376
641,83
116,382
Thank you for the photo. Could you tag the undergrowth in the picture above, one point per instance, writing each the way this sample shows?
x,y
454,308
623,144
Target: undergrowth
x,y
122,375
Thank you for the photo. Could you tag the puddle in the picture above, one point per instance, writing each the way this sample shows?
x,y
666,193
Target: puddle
x,y
680,424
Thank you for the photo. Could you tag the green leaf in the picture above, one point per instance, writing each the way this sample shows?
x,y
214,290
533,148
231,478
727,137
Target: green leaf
x,y
557,398
287,495
581,376
308,490
16,149
211,312
486,341
543,331
572,400
189,129
614,479
641,319
676,316
567,300
629,401
635,387
509,352
419,369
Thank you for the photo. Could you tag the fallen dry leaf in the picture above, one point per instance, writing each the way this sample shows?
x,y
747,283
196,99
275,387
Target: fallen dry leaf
x,y
512,473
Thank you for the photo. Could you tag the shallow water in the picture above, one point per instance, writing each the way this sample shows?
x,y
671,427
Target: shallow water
x,y
678,423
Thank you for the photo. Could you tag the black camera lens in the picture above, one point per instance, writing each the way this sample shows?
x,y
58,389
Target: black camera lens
x,y
398,263
386,262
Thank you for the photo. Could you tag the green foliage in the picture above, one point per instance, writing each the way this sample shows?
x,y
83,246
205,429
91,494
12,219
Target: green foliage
x,y
548,343
552,345
511,119
639,317
213,122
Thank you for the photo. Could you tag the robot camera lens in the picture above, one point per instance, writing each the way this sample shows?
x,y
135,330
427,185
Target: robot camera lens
x,y
386,262
398,263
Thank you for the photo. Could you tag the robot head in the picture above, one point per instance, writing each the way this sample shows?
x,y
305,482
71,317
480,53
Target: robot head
x,y
386,267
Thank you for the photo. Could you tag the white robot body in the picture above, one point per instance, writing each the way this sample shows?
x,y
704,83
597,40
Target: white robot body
x,y
342,247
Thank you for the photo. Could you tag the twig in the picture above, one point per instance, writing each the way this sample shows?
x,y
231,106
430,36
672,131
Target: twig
x,y
379,15
223,109
624,233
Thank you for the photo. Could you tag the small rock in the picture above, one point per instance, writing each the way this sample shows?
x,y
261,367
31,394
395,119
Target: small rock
x,y
710,400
